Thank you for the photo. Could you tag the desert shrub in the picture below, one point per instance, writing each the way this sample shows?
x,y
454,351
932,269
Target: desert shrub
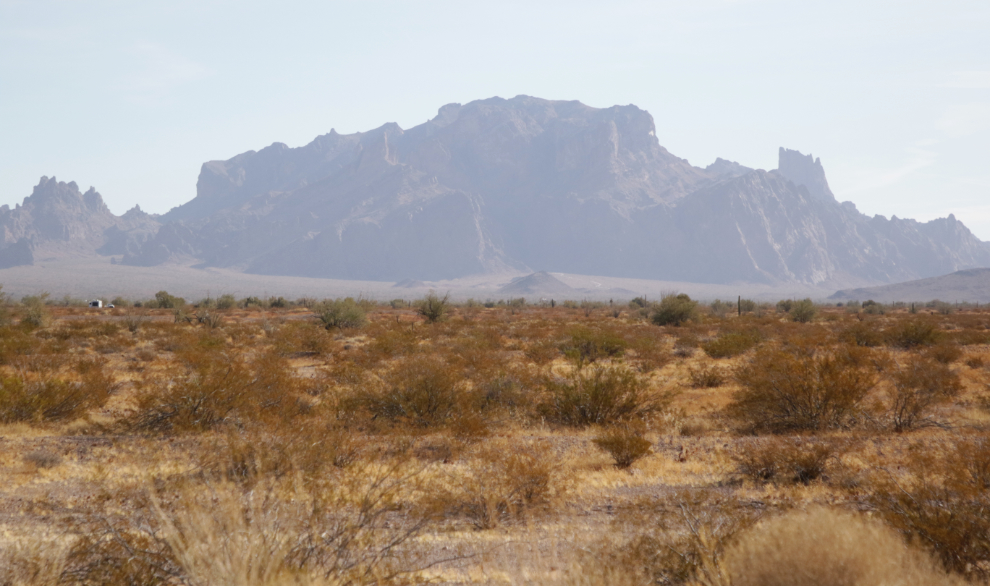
x,y
226,301
201,399
785,305
638,303
863,333
825,547
113,551
625,445
969,337
215,389
784,391
257,454
36,315
720,308
211,320
34,560
502,483
674,310
914,332
600,395
651,350
940,306
684,536
974,362
542,351
278,302
345,533
784,459
589,345
165,301
341,314
731,344
433,307
803,311
918,388
941,504
54,399
506,391
15,343
706,376
42,458
871,307
943,352
746,305
423,392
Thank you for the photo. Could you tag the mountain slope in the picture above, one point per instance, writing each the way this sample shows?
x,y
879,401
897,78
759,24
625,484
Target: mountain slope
x,y
57,220
970,285
498,184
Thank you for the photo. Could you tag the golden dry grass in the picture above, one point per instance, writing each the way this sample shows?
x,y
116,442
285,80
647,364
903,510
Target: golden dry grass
x,y
270,450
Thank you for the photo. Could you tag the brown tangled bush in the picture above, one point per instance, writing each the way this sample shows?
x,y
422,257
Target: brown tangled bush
x,y
788,391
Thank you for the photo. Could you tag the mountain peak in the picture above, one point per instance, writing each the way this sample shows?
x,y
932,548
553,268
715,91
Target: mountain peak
x,y
804,170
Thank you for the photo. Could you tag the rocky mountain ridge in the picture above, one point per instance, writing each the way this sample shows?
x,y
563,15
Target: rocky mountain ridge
x,y
497,185
58,220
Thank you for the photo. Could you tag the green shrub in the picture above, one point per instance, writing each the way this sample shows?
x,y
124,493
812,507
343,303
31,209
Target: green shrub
x,y
165,301
674,310
434,308
803,311
341,314
422,392
639,303
863,333
589,345
600,395
731,344
911,333
784,391
226,301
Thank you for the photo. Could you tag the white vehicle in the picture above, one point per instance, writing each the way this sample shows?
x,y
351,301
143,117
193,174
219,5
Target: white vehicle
x,y
97,303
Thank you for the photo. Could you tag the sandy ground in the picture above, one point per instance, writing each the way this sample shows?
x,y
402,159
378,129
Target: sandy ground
x,y
89,278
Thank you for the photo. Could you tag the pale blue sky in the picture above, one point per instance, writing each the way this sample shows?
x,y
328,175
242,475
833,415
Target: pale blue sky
x,y
132,97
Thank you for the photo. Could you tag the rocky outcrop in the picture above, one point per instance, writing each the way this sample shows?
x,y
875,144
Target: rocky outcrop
x,y
512,184
57,220
804,170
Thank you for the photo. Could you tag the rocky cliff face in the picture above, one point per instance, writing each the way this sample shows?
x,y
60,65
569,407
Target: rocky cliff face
x,y
529,183
58,220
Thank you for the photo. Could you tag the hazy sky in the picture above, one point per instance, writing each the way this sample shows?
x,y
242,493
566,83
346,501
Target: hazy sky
x,y
132,97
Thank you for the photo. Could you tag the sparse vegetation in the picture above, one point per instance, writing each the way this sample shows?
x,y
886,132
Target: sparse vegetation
x,y
674,310
331,448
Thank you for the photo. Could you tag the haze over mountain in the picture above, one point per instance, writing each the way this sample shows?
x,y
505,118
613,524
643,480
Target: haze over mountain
x,y
57,220
521,184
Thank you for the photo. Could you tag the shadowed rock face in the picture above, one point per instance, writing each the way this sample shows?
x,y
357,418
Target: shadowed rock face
x,y
512,184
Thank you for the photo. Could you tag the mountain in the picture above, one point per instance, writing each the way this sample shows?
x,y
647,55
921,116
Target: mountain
x,y
501,185
57,220
541,283
970,285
